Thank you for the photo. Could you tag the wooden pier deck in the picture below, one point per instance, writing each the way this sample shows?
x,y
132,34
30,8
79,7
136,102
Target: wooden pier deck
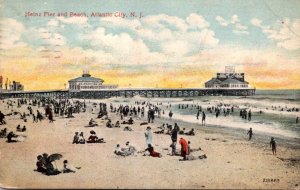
x,y
131,92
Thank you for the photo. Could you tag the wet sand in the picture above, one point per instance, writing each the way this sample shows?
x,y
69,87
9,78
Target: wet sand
x,y
232,161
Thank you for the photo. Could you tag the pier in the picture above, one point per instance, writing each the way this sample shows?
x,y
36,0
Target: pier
x,y
131,92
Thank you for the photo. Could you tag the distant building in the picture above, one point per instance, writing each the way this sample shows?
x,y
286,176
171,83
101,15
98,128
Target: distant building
x,y
88,83
16,86
1,82
229,79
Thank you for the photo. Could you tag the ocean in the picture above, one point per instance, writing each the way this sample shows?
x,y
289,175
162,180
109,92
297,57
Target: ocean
x,y
278,107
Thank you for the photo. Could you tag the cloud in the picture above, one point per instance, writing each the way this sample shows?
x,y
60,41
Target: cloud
x,y
197,21
235,23
234,19
154,35
283,32
150,50
256,22
199,35
11,32
279,68
122,47
221,21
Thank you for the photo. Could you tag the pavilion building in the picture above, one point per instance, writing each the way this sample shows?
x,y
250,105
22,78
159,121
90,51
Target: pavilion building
x,y
229,79
88,83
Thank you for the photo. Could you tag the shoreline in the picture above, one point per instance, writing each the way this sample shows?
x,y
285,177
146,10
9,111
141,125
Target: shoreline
x,y
235,133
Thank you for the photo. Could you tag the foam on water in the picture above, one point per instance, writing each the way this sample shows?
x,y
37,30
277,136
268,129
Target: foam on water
x,y
231,122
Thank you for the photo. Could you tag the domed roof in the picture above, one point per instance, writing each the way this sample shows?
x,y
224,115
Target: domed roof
x,y
86,77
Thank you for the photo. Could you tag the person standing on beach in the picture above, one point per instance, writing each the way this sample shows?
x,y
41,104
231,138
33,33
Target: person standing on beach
x,y
250,133
203,118
176,127
249,115
34,118
273,145
174,140
170,114
297,120
148,136
2,117
50,116
198,114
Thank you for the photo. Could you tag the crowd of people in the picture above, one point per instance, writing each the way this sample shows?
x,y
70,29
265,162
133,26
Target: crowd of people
x,y
129,115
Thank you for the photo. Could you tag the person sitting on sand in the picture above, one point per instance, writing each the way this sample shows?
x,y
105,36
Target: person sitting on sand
x,y
91,122
118,151
127,128
3,133
192,149
94,139
182,131
81,139
191,157
191,132
23,129
76,138
129,122
151,151
118,124
108,124
169,131
143,123
159,132
69,168
129,149
40,165
162,126
11,135
18,128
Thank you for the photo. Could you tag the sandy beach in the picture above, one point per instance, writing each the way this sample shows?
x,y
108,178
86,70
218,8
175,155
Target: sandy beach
x,y
232,161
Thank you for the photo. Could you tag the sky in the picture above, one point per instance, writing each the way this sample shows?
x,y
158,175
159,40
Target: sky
x,y
159,43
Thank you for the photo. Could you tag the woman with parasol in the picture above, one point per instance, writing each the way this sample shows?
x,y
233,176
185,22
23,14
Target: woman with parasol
x,y
47,161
